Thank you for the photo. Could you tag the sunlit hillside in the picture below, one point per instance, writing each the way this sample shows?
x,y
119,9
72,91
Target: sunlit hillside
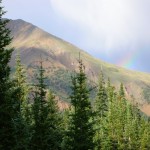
x,y
60,60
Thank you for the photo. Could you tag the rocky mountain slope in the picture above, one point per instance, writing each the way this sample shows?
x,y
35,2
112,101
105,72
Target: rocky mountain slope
x,y
60,60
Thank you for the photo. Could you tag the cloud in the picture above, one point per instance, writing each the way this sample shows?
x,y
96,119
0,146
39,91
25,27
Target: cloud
x,y
111,30
116,25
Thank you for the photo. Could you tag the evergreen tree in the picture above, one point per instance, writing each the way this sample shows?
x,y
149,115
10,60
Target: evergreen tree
x,y
46,121
110,133
20,95
122,126
80,131
23,89
121,118
129,128
136,122
37,141
144,134
54,123
101,103
101,107
7,112
20,81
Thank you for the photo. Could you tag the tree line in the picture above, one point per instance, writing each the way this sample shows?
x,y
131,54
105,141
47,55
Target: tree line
x,y
31,120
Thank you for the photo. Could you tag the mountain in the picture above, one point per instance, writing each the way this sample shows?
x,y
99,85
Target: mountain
x,y
60,60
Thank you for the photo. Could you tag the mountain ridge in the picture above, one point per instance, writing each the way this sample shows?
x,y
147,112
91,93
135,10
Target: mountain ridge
x,y
61,56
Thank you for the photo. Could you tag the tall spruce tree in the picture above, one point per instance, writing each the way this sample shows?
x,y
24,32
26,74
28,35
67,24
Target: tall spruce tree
x,y
122,106
39,92
101,103
110,142
54,123
144,134
46,123
6,104
20,81
21,125
136,122
101,107
80,131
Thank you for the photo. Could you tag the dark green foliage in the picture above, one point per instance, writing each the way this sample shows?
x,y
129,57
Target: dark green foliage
x,y
20,96
101,107
7,112
60,82
46,121
80,132
122,126
54,121
20,81
101,103
38,128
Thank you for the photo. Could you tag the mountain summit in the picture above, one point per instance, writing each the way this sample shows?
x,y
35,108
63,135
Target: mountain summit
x,y
60,60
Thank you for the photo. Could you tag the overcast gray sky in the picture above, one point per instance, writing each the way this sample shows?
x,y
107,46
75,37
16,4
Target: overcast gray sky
x,y
117,31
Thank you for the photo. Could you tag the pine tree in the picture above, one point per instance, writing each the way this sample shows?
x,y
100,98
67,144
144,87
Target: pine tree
x,y
115,122
20,81
129,129
122,105
20,96
38,118
101,108
144,138
136,122
6,104
110,131
101,103
54,123
80,131
46,121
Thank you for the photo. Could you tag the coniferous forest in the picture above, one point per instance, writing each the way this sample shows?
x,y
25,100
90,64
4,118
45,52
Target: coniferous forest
x,y
30,118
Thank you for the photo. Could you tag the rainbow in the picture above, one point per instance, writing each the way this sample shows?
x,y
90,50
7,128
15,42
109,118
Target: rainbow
x,y
127,61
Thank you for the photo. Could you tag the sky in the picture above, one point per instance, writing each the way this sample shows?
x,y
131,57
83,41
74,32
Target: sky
x,y
116,31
